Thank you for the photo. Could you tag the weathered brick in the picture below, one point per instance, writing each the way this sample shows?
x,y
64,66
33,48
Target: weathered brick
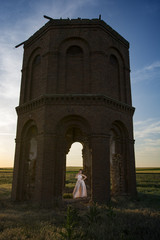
x,y
75,87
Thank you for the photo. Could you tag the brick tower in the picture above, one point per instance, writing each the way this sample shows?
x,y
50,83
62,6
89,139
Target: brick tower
x,y
75,88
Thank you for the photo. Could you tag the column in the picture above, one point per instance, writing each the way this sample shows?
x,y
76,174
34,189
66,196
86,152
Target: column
x,y
39,168
131,168
100,168
45,172
87,159
60,159
16,195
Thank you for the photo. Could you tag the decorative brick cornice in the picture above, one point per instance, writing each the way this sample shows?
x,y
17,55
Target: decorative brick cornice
x,y
75,100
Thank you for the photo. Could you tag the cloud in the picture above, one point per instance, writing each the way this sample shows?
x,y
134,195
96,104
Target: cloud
x,y
9,72
150,127
143,122
148,73
153,66
153,142
147,145
10,76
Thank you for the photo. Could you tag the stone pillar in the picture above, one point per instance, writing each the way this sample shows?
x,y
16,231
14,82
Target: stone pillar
x,y
39,168
15,195
117,174
131,168
45,172
124,167
100,178
60,159
19,191
67,150
87,160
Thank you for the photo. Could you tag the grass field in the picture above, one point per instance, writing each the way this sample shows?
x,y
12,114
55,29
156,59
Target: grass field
x,y
147,170
123,218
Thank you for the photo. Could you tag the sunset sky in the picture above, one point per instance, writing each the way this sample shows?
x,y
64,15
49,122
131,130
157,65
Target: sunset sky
x,y
137,21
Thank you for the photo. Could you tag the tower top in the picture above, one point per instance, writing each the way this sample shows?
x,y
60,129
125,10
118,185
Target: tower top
x,y
76,23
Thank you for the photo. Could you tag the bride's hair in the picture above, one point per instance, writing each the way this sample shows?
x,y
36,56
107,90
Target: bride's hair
x,y
81,170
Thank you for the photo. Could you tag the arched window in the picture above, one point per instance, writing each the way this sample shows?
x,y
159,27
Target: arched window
x,y
113,60
37,60
74,69
74,51
35,77
114,76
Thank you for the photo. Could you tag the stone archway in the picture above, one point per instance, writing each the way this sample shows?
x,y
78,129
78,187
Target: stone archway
x,y
118,163
74,162
74,134
72,129
28,162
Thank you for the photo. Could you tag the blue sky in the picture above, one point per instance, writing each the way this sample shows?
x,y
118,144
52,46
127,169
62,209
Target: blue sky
x,y
137,21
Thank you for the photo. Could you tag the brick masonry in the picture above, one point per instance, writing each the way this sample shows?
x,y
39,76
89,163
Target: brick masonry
x,y
75,87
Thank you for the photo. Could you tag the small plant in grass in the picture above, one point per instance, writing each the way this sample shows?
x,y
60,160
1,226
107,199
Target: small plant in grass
x,y
93,227
110,211
71,222
93,215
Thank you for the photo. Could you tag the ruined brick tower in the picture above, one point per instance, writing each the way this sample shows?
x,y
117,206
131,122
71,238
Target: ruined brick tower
x,y
75,88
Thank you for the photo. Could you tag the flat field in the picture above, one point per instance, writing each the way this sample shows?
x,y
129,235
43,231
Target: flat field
x,y
123,218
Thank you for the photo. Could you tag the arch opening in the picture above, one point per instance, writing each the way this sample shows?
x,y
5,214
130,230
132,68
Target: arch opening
x,y
74,162
29,156
74,156
118,156
77,156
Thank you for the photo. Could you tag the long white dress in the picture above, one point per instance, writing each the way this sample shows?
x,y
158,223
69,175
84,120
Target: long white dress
x,y
80,188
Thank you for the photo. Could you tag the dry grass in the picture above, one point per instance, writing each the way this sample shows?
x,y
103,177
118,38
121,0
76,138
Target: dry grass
x,y
124,218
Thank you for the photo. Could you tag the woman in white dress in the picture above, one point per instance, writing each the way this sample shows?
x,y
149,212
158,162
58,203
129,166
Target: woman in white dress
x,y
80,187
